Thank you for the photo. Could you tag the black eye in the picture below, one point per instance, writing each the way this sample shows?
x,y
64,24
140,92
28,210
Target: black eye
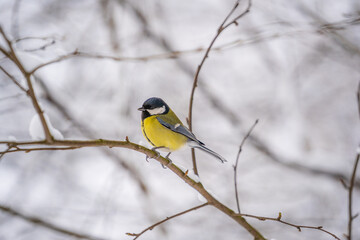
x,y
146,106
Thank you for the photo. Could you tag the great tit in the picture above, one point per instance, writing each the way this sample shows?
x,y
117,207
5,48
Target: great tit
x,y
164,130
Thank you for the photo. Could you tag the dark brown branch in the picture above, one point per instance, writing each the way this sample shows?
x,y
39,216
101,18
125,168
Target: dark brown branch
x,y
351,187
206,55
4,152
299,227
237,161
137,235
39,222
152,154
13,57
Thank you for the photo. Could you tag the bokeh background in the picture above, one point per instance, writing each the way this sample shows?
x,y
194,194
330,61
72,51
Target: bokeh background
x,y
294,65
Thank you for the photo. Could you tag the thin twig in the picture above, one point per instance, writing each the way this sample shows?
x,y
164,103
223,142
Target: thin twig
x,y
14,80
13,57
221,28
27,150
299,227
358,99
352,181
42,48
4,152
137,235
237,161
39,222
351,187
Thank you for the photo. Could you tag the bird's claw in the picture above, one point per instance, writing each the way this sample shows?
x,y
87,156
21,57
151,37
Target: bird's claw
x,y
169,163
157,154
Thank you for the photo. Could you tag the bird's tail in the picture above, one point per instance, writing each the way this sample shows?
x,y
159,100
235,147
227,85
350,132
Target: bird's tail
x,y
201,146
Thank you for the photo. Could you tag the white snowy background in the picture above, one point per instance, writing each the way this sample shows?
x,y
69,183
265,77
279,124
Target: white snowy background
x,y
288,69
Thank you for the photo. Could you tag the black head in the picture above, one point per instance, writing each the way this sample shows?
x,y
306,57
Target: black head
x,y
153,106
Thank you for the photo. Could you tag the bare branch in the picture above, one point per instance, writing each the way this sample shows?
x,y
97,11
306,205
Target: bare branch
x,y
27,150
13,57
351,187
152,154
299,227
4,152
237,161
39,222
358,99
137,235
14,80
221,28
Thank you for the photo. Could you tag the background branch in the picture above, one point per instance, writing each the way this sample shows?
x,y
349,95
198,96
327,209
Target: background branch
x,y
14,80
299,227
137,235
350,189
352,179
42,223
13,57
237,161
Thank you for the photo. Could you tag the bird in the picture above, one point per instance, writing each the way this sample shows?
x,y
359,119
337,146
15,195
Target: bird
x,y
164,130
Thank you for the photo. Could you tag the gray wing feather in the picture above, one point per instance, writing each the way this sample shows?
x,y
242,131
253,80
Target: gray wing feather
x,y
193,141
180,129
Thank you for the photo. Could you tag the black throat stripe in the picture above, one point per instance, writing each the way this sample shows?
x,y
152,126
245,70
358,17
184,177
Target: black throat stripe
x,y
143,128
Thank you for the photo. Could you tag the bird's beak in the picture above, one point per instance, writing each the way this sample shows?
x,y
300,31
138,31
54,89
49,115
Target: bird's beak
x,y
141,109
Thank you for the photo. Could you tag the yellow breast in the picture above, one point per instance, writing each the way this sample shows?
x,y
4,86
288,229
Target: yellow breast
x,y
160,136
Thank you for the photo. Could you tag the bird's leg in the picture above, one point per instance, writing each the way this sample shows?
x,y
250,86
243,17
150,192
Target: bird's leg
x,y
157,153
170,162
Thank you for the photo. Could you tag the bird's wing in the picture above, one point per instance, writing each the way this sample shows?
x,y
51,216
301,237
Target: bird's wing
x,y
179,128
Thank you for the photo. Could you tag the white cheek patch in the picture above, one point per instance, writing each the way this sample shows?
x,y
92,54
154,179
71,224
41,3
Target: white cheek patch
x,y
157,111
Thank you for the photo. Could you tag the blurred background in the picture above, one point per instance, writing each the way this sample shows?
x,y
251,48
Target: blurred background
x,y
294,65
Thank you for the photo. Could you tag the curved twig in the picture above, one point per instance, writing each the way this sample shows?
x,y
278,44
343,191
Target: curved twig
x,y
45,224
237,161
299,227
137,235
206,55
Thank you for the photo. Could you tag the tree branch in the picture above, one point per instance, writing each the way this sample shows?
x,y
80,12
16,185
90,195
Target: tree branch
x,y
137,235
152,154
237,161
14,80
206,55
27,150
13,57
42,223
299,227
351,187
352,181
